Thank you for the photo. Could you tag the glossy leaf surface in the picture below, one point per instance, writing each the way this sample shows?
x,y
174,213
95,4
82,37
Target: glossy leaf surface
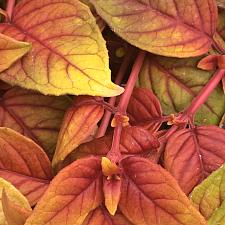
x,y
179,28
151,196
192,154
72,194
24,164
80,122
175,82
68,53
11,50
34,115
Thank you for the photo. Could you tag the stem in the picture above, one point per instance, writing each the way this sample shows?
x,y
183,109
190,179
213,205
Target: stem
x,y
114,154
199,100
9,8
119,77
205,92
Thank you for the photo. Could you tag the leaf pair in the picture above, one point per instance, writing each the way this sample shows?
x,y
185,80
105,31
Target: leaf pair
x,y
77,190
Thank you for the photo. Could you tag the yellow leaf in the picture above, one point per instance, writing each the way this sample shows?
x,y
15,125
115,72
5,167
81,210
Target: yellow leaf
x,y
69,54
11,50
14,195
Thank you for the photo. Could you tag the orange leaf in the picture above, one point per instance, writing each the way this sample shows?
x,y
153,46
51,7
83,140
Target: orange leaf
x,y
24,164
112,193
79,123
34,115
11,50
193,154
208,63
68,55
14,213
179,28
71,196
144,109
151,196
134,141
100,216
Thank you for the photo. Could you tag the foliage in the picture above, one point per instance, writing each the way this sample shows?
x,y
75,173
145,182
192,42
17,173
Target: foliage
x,y
161,159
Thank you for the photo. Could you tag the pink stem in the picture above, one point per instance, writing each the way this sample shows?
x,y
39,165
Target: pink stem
x,y
114,154
119,77
199,100
9,8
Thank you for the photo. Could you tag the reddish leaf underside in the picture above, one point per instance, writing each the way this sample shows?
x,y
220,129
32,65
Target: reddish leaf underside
x,y
192,154
71,196
79,124
68,54
144,109
151,196
134,141
24,164
34,115
179,28
100,216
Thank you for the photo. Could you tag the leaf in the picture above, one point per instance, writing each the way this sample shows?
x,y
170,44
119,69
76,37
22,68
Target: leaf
x,y
72,194
151,196
24,164
14,196
193,154
221,3
221,24
11,50
179,28
222,122
176,82
34,115
209,196
112,193
14,214
144,109
210,62
134,140
79,123
100,216
69,55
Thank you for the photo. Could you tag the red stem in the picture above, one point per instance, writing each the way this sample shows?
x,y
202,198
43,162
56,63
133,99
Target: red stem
x,y
199,100
119,77
9,8
114,154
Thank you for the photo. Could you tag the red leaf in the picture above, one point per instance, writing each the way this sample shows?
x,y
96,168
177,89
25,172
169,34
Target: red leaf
x,y
151,196
192,154
144,109
80,122
71,196
208,63
24,164
34,115
134,140
100,216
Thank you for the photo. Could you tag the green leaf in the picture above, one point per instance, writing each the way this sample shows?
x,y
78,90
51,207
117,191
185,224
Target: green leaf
x,y
209,197
176,82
